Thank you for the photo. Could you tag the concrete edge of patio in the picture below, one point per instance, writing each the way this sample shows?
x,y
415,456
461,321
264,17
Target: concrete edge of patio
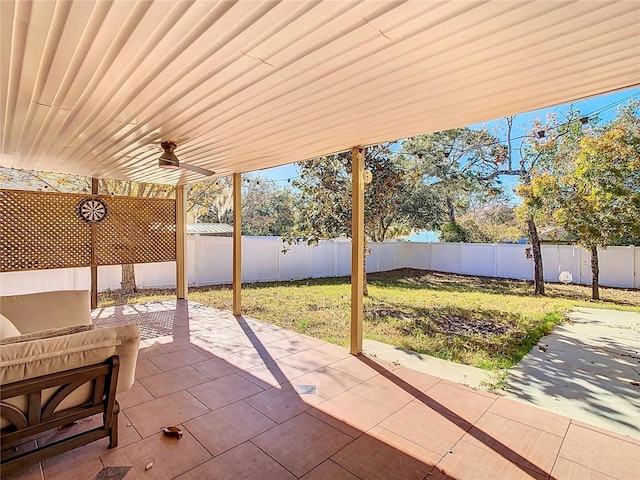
x,y
455,372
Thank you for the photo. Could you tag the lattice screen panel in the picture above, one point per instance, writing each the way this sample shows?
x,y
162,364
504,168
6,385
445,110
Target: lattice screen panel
x,y
42,230
137,230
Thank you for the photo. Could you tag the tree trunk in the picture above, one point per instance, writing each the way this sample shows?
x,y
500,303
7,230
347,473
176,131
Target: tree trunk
x,y
595,274
450,210
538,274
128,283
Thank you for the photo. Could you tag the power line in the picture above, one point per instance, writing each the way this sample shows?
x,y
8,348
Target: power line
x,y
258,181
539,135
542,132
560,125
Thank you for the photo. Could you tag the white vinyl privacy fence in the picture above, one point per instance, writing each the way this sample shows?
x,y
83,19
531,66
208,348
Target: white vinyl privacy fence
x,y
209,262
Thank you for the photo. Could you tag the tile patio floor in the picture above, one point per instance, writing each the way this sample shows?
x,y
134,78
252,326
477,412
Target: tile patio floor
x,y
256,401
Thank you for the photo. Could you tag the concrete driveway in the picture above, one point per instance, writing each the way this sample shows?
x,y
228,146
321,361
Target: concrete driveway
x,y
587,369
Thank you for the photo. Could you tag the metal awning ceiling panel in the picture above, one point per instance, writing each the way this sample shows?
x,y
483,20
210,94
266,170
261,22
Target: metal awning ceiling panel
x,y
91,88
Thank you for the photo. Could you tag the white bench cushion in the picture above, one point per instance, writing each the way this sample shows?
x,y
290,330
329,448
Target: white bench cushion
x,y
7,328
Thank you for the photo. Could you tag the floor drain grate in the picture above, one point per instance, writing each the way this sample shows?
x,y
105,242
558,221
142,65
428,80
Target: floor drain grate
x,y
112,473
306,389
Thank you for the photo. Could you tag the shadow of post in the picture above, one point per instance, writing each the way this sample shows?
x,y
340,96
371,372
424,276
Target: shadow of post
x,y
494,444
374,444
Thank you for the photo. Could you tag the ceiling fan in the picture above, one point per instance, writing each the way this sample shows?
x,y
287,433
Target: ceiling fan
x,y
169,161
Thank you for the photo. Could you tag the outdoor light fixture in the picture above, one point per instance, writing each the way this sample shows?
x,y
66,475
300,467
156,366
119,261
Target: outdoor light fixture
x,y
541,137
585,123
168,159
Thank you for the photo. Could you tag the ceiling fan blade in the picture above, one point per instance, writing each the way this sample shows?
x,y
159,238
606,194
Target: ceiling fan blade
x,y
201,171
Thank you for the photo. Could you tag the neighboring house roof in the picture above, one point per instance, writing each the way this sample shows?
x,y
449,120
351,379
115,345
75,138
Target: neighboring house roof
x,y
554,235
209,228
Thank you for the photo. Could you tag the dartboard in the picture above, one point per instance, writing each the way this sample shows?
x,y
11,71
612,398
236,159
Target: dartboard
x,y
92,210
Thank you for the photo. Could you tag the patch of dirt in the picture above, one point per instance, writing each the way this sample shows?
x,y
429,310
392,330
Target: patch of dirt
x,y
404,272
445,323
381,313
453,324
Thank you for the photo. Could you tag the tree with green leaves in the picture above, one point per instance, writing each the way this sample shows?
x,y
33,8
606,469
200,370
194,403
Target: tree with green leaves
x,y
453,164
325,206
536,151
267,209
422,206
492,222
593,191
212,201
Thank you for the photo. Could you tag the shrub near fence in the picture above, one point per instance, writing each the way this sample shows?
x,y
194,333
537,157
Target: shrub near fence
x,y
209,262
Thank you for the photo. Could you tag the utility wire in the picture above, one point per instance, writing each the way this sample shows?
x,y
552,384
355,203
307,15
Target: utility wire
x,y
591,114
588,115
555,127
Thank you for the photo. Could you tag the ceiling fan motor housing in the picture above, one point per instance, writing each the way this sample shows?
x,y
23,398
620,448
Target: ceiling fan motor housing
x,y
168,146
168,159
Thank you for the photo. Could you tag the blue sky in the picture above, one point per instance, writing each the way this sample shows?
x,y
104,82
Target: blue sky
x,y
586,107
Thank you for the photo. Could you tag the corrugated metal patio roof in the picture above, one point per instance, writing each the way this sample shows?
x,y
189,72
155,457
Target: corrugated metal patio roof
x,y
91,88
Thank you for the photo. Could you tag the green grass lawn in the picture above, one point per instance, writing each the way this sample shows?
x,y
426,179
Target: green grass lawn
x,y
486,322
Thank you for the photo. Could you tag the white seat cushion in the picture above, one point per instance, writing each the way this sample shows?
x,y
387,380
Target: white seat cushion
x,y
20,361
34,358
7,328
